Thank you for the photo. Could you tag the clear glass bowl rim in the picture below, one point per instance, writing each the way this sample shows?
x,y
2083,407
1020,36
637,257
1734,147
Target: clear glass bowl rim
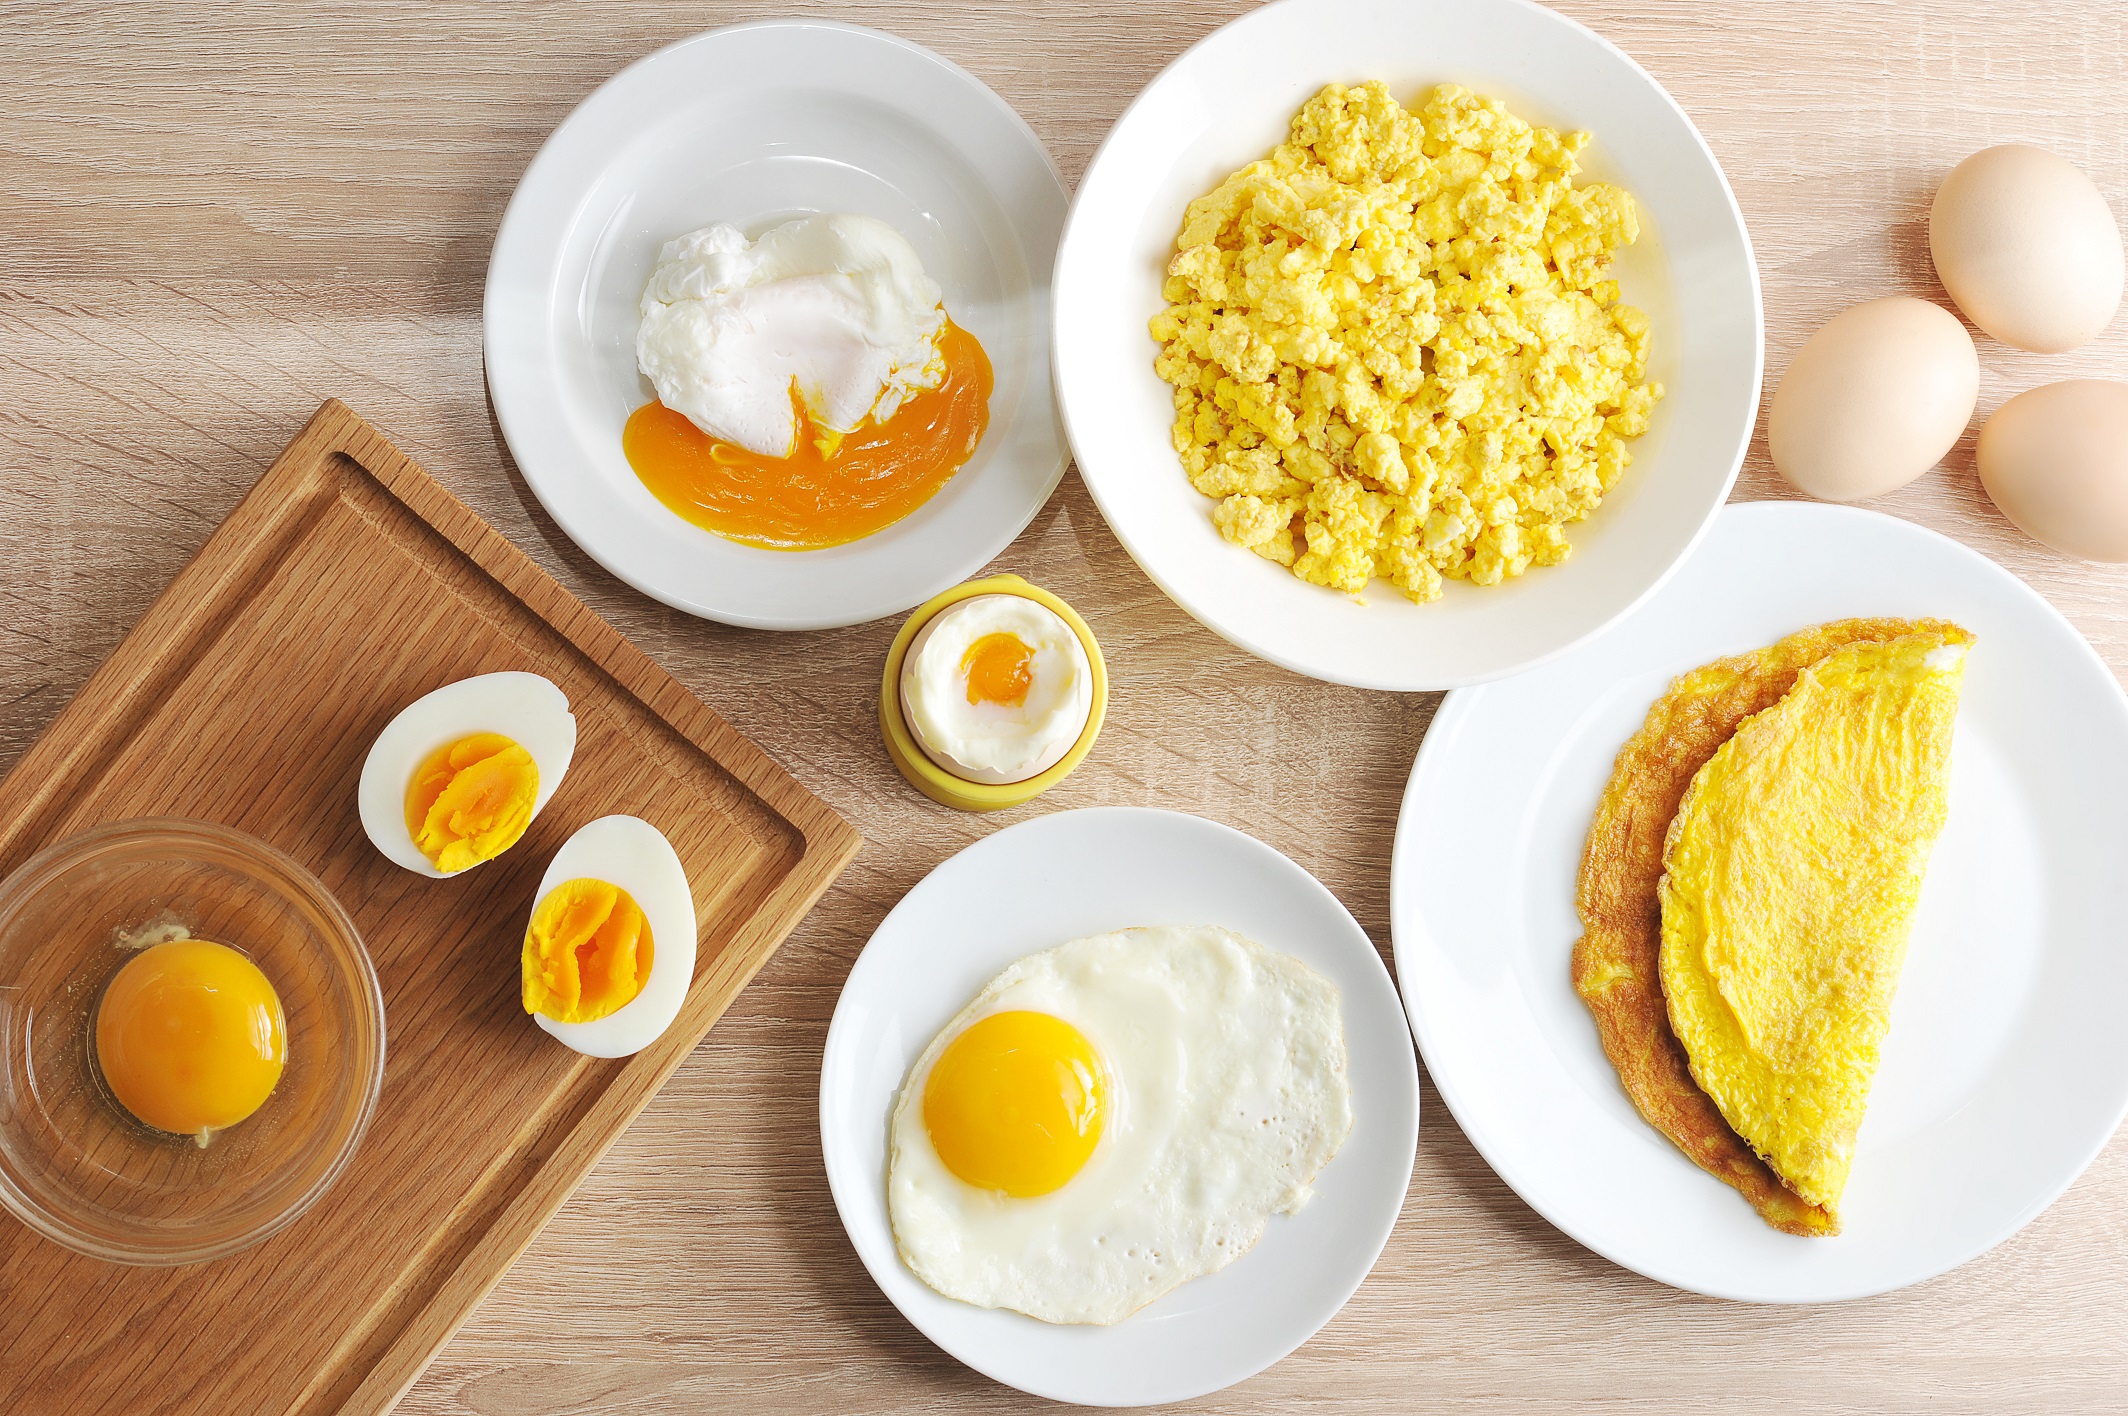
x,y
82,848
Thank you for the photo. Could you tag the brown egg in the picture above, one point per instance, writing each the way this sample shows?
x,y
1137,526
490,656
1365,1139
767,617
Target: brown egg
x,y
2056,461
2027,247
1874,399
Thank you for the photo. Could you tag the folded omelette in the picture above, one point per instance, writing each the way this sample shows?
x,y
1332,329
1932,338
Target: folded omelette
x,y
1747,889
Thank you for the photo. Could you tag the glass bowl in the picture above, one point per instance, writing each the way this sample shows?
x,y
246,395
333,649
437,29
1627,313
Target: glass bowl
x,y
77,1168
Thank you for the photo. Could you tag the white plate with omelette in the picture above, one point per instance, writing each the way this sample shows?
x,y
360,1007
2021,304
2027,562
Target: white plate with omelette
x,y
753,126
1227,103
2004,1069
1232,1036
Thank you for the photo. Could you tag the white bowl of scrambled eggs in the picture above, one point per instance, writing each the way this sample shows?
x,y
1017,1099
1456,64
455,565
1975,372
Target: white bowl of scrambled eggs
x,y
1445,384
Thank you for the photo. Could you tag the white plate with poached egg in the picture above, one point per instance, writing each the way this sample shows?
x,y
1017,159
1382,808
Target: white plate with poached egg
x,y
1094,871
754,126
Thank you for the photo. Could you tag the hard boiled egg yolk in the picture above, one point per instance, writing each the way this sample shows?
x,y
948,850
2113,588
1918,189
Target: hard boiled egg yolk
x,y
470,800
999,668
587,953
1016,1103
190,1037
834,487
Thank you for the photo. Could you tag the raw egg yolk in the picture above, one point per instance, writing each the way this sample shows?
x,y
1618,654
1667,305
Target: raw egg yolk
x,y
999,668
833,488
587,952
470,800
190,1037
1015,1103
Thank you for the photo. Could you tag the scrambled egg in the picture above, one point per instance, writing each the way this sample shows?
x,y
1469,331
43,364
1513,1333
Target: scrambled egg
x,y
1791,875
1393,347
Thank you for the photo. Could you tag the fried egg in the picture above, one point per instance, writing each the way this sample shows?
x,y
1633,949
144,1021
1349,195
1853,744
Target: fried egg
x,y
996,688
459,774
1113,1117
610,949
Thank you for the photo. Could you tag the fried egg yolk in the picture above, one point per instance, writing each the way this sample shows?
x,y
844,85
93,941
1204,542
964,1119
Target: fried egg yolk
x,y
833,488
999,668
587,953
190,1037
1016,1103
470,800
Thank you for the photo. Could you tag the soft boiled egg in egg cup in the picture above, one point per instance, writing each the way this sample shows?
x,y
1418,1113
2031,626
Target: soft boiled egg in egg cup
x,y
992,693
461,772
610,950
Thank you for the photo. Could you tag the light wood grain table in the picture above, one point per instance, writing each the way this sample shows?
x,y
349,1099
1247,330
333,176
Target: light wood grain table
x,y
213,216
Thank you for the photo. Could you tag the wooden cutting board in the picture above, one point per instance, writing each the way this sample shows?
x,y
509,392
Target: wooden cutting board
x,y
347,584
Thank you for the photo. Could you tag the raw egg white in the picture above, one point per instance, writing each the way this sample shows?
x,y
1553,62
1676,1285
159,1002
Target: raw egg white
x,y
2027,247
629,853
1113,1117
996,688
1874,399
526,708
2056,461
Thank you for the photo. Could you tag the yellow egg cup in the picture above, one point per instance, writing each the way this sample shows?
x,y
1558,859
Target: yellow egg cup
x,y
935,781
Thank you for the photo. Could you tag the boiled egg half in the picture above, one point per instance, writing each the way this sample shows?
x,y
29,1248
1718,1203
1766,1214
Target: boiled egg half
x,y
996,688
610,950
461,772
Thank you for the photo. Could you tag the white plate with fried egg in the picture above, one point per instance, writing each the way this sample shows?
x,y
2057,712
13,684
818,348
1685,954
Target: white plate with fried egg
x,y
1240,1026
1228,102
754,126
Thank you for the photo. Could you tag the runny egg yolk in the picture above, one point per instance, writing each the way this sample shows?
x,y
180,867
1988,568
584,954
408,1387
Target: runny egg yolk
x,y
833,488
587,953
1016,1103
470,800
190,1037
999,668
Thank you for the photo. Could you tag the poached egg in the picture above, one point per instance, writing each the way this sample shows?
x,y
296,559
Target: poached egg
x,y
834,307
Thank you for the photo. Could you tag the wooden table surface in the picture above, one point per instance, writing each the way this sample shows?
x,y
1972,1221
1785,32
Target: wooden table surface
x,y
212,217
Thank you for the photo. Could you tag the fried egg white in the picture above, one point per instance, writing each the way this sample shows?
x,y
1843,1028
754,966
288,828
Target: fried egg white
x,y
1204,1079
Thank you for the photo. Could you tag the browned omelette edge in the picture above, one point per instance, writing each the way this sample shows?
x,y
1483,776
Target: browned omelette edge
x,y
1616,961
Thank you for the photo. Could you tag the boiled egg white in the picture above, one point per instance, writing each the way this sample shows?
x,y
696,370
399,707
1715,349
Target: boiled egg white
x,y
636,865
996,688
493,793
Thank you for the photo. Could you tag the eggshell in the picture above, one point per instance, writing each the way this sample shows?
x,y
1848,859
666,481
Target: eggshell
x,y
1874,399
2027,247
630,852
527,708
2056,461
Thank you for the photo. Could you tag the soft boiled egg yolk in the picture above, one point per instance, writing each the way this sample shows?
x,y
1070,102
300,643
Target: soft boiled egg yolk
x,y
190,1037
470,800
832,488
996,688
1016,1103
587,953
999,668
